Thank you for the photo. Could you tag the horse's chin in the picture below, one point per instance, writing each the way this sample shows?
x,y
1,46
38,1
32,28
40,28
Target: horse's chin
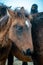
x,y
20,55
24,57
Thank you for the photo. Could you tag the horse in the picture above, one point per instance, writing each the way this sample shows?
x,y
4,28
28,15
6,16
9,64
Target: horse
x,y
37,37
15,36
10,56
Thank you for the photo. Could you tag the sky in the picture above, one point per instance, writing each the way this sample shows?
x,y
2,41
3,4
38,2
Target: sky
x,y
25,3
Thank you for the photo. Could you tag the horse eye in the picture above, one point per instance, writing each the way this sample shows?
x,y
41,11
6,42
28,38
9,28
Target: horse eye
x,y
19,29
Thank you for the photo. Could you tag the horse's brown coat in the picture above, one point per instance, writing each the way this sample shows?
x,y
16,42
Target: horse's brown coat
x,y
37,35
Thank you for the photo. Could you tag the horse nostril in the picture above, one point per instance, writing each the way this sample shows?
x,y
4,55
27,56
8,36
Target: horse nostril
x,y
28,52
24,52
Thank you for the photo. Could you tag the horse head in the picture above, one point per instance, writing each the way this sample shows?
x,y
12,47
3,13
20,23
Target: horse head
x,y
18,30
20,34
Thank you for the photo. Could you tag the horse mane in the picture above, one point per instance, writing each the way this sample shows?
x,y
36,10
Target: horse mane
x,y
19,15
4,26
5,19
3,22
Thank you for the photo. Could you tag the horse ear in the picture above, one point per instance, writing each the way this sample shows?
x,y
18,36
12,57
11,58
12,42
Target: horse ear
x,y
10,13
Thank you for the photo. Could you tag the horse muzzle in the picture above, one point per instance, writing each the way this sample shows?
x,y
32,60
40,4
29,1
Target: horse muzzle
x,y
28,52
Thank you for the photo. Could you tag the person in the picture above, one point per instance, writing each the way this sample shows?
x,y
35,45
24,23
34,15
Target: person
x,y
34,9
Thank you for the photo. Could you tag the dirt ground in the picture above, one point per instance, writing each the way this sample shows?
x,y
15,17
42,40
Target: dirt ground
x,y
18,62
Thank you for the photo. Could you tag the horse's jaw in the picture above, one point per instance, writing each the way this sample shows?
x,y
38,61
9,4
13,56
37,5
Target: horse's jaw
x,y
17,53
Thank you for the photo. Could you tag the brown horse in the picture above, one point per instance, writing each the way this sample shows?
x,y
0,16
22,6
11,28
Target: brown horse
x,y
10,56
37,37
15,29
18,34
